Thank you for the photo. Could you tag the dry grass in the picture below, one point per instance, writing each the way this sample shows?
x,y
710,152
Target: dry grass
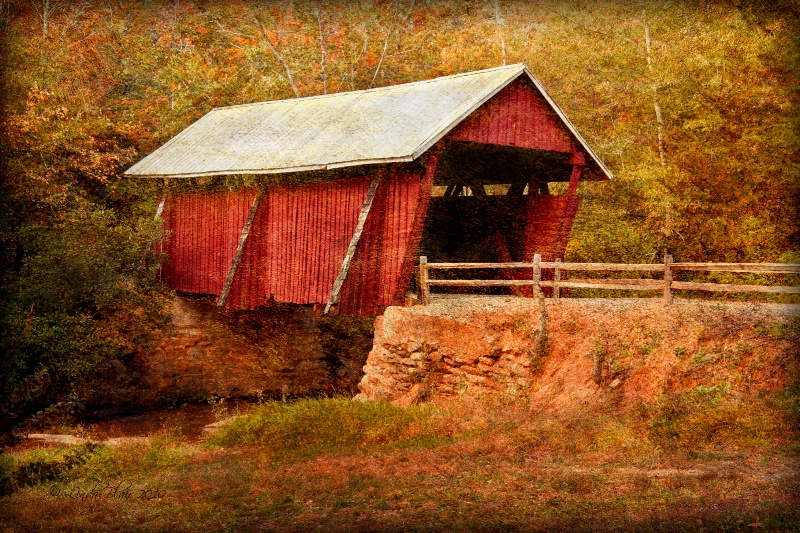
x,y
313,426
705,459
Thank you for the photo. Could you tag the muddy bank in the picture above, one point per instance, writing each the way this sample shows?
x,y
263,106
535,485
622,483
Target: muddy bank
x,y
274,351
634,349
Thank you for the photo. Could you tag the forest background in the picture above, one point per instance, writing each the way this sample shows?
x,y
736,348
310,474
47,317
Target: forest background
x,y
693,106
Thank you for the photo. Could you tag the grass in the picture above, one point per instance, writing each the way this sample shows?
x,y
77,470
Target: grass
x,y
708,459
313,426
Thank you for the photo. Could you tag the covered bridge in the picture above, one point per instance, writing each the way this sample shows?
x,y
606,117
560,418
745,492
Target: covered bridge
x,y
361,181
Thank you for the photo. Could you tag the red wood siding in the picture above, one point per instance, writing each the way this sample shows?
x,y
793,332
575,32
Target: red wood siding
x,y
297,243
516,116
378,261
204,232
416,224
549,224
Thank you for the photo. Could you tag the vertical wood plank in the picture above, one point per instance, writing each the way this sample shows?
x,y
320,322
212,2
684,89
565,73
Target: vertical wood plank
x,y
668,277
424,294
415,235
537,275
556,279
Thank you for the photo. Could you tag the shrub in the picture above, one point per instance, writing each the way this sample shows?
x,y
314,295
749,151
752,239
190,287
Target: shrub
x,y
85,293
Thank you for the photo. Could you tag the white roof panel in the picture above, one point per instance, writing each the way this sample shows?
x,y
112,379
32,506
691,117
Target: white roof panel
x,y
387,124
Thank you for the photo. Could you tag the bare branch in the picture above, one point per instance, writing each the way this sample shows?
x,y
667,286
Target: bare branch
x,y
45,9
274,50
385,44
499,19
280,58
231,32
355,60
410,10
322,55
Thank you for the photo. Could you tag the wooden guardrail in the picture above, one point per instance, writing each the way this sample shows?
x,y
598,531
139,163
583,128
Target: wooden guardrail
x,y
667,283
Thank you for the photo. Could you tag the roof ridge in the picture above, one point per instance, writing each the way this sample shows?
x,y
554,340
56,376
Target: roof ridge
x,y
520,66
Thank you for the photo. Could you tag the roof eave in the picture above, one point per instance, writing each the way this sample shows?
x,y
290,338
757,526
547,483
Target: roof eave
x,y
305,168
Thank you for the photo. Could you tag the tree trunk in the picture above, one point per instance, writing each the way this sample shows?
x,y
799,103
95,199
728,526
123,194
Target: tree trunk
x,y
659,118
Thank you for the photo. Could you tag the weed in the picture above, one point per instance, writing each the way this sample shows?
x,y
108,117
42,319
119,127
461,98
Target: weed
x,y
310,427
743,347
523,327
680,351
598,354
218,407
777,330
708,417
700,359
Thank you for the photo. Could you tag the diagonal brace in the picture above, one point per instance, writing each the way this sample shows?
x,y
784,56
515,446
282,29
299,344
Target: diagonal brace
x,y
351,250
226,289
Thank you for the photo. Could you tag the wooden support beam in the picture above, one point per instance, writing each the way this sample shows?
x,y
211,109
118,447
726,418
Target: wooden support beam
x,y
531,222
537,275
556,279
730,287
415,235
422,282
614,267
667,278
505,256
160,208
775,268
574,178
578,158
351,250
226,289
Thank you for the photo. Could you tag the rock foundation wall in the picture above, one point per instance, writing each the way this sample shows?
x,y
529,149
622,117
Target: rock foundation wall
x,y
484,351
273,351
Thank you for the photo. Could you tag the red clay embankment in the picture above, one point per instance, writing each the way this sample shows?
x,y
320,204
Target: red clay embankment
x,y
641,348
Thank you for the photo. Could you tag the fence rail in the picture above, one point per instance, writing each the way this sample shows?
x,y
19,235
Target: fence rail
x,y
668,267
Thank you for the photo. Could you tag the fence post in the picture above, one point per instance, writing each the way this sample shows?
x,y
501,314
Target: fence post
x,y
668,277
537,274
424,295
556,279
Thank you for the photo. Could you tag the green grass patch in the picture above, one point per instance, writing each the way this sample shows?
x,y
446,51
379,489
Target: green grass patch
x,y
711,417
314,426
164,450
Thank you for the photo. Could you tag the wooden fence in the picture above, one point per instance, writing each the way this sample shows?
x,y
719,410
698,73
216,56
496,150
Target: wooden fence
x,y
667,284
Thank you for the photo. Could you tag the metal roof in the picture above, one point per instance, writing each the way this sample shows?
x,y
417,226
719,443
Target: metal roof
x,y
382,125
